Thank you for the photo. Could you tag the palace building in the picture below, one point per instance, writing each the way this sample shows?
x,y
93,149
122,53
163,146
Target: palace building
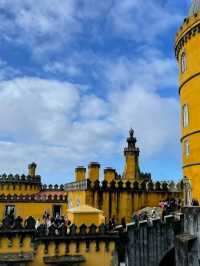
x,y
89,203
88,221
118,196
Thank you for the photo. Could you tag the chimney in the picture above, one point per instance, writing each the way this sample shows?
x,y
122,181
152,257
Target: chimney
x,y
80,172
109,174
32,169
93,171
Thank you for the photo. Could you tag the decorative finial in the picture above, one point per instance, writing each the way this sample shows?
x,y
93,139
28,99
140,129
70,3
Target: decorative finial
x,y
131,132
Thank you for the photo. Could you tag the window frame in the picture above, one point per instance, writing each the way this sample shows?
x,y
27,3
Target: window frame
x,y
185,115
183,62
6,209
186,148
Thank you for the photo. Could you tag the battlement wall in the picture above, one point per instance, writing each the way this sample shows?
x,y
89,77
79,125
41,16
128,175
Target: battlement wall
x,y
123,185
88,245
149,242
32,198
16,184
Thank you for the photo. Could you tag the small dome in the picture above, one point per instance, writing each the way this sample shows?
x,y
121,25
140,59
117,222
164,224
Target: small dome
x,y
195,7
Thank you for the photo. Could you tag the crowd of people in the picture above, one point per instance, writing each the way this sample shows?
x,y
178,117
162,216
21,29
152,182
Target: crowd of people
x,y
166,207
57,225
49,226
170,205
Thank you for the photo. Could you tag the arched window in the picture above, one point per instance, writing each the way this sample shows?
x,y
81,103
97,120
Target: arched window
x,y
185,115
183,62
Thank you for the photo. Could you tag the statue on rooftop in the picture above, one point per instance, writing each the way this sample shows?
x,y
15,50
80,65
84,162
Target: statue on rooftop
x,y
187,191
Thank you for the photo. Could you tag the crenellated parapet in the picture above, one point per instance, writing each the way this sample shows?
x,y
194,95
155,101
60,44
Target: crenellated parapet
x,y
73,246
144,186
52,187
89,235
19,179
19,184
189,28
32,198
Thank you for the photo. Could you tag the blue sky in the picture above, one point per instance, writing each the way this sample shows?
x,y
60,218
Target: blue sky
x,y
75,75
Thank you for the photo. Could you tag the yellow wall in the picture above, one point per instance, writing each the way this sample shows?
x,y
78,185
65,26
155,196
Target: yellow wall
x,y
35,209
93,257
131,171
23,189
75,197
189,94
85,218
123,204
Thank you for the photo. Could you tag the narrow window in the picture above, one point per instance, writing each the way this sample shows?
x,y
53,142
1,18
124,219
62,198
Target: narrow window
x,y
183,62
187,148
185,115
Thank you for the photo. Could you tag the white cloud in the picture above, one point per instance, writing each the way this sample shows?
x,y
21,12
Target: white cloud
x,y
42,25
51,25
154,118
148,68
143,20
60,124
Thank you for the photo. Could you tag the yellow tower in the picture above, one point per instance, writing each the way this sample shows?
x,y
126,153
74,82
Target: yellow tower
x,y
131,153
187,50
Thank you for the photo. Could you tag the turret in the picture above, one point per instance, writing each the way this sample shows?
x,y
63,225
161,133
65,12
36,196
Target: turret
x,y
93,171
32,169
80,172
131,153
187,51
109,174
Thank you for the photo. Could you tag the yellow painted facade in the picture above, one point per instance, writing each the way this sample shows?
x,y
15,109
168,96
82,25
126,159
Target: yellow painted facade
x,y
85,214
37,251
188,56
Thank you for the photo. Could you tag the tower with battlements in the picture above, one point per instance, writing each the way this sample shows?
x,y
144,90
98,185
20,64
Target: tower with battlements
x,y
187,51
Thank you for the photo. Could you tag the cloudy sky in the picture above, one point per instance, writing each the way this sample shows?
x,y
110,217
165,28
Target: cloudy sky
x,y
75,75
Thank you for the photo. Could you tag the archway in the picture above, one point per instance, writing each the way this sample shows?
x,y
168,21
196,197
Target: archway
x,y
168,259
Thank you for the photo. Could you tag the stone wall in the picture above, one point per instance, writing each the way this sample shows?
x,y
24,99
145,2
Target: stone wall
x,y
149,243
187,245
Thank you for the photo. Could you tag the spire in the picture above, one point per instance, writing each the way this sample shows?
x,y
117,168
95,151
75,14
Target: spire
x,y
195,7
131,140
131,153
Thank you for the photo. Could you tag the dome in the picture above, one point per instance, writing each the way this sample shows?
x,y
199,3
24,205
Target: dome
x,y
195,7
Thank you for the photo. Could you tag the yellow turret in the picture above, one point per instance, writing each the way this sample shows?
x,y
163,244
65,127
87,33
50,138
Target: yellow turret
x,y
187,49
131,153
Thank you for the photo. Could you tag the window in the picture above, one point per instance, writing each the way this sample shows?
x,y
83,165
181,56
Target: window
x,y
187,148
183,62
10,210
56,210
185,115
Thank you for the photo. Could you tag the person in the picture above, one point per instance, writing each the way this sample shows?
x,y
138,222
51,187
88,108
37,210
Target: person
x,y
45,216
110,225
153,215
113,222
123,223
37,224
195,202
135,218
164,213
161,204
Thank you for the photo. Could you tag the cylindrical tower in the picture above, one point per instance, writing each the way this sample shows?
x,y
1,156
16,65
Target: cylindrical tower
x,y
187,50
